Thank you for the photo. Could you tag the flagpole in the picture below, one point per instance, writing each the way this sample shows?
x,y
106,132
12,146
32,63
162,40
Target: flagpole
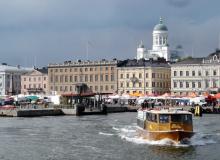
x,y
87,50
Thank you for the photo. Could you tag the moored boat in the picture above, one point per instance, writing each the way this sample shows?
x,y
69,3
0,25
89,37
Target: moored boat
x,y
157,124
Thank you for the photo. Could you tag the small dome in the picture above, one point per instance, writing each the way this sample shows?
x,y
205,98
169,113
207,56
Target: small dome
x,y
160,26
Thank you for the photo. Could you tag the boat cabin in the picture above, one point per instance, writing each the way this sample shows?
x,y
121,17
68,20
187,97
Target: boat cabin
x,y
166,120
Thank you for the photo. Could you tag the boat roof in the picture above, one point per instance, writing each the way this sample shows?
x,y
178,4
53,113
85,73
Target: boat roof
x,y
167,111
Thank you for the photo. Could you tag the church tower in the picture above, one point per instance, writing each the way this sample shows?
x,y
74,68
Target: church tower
x,y
141,51
160,41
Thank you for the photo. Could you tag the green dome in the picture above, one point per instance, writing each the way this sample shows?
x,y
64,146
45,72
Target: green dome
x,y
160,26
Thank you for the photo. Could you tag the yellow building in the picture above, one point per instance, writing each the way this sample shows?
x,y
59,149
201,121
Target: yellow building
x,y
99,76
144,76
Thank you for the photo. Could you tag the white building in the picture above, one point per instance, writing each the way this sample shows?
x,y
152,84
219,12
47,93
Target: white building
x,y
197,75
160,47
10,79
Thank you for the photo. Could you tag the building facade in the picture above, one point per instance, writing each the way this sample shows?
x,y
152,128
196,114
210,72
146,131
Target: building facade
x,y
197,75
99,76
144,76
35,82
10,79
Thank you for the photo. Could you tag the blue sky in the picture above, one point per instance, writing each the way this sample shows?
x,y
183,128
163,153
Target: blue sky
x,y
50,31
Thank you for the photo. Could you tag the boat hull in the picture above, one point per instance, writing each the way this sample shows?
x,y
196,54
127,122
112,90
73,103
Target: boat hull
x,y
175,135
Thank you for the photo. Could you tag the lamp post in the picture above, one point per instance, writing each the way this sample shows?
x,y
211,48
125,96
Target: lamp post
x,y
144,79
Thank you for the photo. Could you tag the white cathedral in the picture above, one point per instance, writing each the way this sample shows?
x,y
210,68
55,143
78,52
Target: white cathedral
x,y
160,46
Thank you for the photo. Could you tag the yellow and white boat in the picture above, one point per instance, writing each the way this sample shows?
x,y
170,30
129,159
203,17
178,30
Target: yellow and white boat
x,y
157,124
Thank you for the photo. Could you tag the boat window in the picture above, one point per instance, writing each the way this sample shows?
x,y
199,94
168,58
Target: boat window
x,y
164,118
187,118
148,116
154,118
184,118
176,118
151,117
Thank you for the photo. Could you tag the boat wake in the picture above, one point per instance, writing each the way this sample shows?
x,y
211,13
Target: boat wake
x,y
130,134
106,134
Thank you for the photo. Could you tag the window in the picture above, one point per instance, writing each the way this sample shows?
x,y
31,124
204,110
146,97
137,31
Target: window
x,y
86,69
106,77
146,75
56,78
153,84
106,88
193,73
127,76
75,78
96,77
91,69
176,118
101,88
101,77
206,73
187,84
174,84
24,79
151,117
181,84
174,74
61,78
193,85
24,86
153,75
122,84
112,77
140,84
91,78
86,78
187,73
199,73
199,84
106,68
214,73
66,78
140,75
164,118
181,73
206,84
71,78
146,84
121,75
45,86
127,84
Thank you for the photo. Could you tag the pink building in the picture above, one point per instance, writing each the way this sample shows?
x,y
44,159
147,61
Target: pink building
x,y
35,82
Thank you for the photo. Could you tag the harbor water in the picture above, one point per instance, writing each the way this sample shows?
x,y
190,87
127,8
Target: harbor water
x,y
103,137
